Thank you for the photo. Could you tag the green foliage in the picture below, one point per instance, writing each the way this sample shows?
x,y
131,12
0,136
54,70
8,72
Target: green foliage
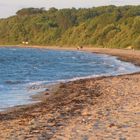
x,y
137,43
106,26
29,11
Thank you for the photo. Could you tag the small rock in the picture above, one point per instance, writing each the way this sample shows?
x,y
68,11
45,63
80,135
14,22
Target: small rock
x,y
111,125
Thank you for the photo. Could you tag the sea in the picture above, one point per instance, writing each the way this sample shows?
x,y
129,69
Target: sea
x,y
26,71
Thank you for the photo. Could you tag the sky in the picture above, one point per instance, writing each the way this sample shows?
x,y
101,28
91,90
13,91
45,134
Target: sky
x,y
9,7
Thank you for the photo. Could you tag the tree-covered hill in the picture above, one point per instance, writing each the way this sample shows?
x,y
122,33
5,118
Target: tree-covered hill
x,y
106,26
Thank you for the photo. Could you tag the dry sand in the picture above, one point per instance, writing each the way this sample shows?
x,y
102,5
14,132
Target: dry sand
x,y
102,108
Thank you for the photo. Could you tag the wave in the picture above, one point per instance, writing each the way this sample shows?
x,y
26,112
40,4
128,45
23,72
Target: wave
x,y
13,82
43,84
36,85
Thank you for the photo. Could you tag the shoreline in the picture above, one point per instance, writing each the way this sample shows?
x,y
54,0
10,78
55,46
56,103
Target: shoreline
x,y
52,89
39,97
61,111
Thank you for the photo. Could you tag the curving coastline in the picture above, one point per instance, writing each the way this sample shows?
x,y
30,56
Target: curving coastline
x,y
96,108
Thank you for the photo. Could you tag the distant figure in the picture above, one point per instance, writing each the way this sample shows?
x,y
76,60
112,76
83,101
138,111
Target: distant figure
x,y
25,42
81,47
78,48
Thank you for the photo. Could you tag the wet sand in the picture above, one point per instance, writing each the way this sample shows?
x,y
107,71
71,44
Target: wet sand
x,y
103,108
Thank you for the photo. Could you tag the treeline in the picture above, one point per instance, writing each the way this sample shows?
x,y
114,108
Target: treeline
x,y
106,26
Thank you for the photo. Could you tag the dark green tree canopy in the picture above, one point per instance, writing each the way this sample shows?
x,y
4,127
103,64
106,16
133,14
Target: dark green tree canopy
x,y
106,26
30,11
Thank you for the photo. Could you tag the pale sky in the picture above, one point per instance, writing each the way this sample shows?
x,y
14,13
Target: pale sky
x,y
9,7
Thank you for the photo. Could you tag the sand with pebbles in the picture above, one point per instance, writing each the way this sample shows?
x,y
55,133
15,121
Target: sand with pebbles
x,y
102,108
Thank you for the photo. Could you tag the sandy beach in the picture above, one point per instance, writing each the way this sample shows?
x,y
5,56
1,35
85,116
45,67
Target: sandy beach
x,y
103,108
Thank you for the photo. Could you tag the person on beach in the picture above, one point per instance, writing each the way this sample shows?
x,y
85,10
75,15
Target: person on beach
x,y
79,47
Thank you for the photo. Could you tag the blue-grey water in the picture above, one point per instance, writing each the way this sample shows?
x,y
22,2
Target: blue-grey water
x,y
24,72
